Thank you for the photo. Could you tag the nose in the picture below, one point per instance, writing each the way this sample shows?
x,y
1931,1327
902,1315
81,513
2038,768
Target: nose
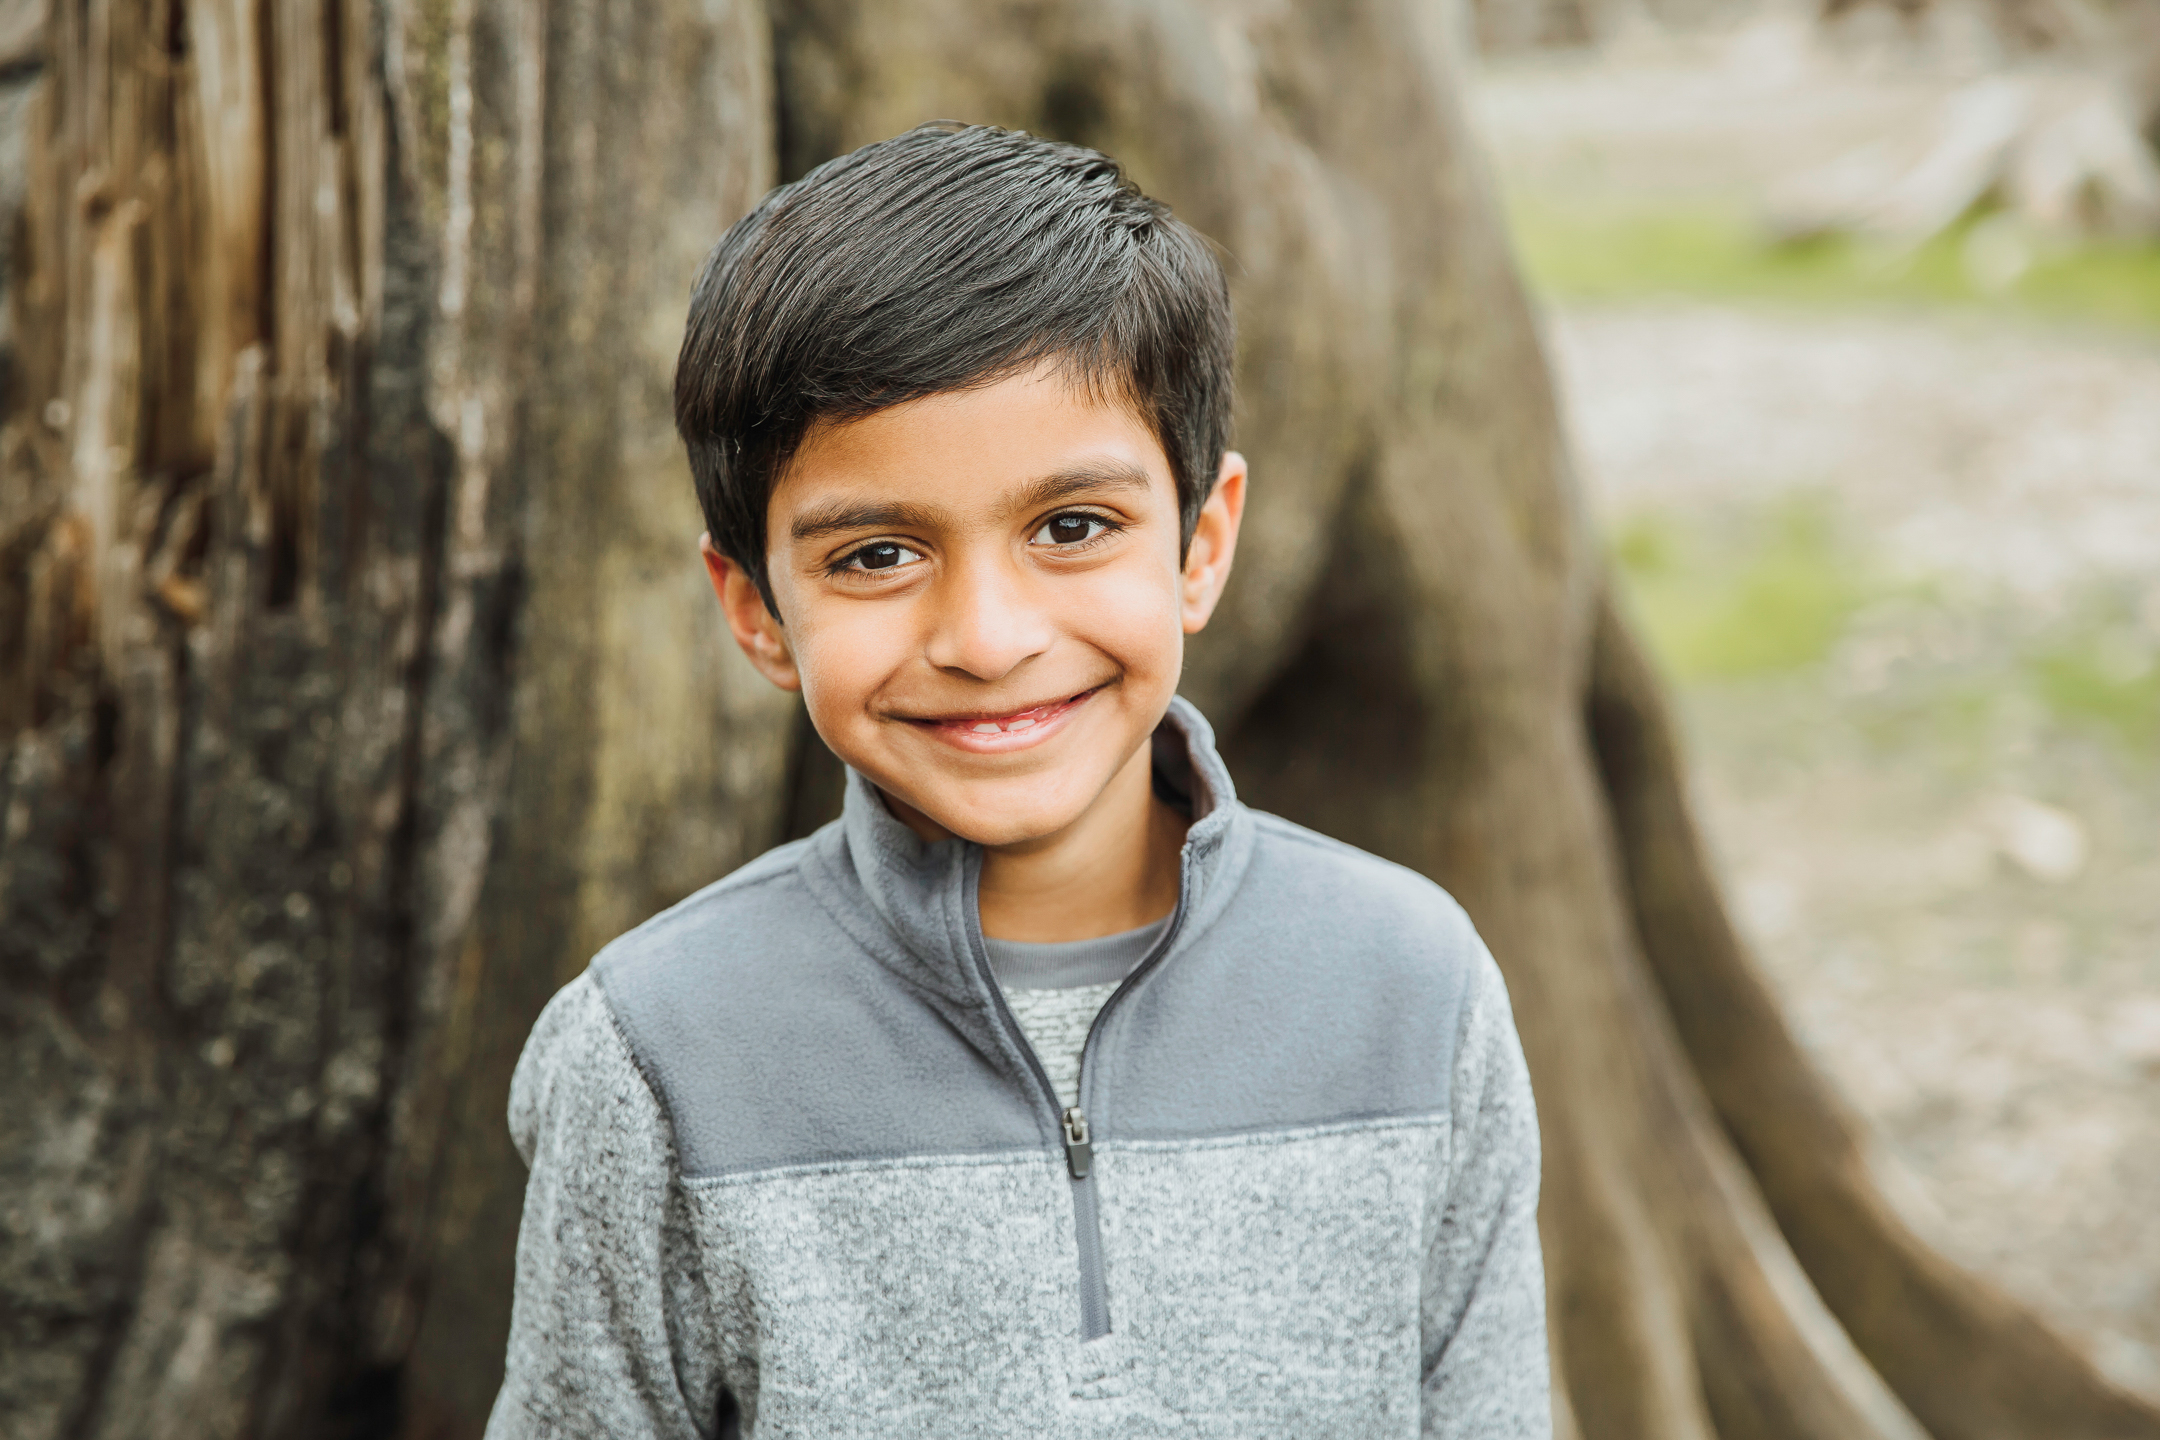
x,y
986,622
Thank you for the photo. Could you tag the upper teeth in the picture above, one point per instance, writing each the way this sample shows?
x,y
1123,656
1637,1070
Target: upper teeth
x,y
1000,727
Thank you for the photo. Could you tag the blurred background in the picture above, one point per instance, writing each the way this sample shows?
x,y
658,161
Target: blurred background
x,y
1857,323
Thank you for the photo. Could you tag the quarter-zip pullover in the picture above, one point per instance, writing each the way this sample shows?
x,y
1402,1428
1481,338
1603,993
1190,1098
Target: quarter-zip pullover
x,y
1057,989
797,1172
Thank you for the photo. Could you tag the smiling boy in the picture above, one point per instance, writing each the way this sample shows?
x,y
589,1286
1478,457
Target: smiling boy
x,y
1049,1091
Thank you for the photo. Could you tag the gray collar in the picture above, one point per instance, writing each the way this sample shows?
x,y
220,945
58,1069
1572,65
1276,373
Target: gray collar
x,y
913,905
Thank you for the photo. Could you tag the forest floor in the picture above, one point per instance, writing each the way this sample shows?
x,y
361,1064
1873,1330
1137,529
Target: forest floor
x,y
1893,533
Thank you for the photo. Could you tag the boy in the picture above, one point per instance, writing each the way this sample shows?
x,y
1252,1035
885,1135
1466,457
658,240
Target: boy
x,y
1049,1091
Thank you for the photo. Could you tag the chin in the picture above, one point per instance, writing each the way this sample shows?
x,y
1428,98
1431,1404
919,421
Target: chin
x,y
997,817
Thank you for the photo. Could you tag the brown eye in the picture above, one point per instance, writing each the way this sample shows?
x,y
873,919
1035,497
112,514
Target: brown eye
x,y
880,555
1069,529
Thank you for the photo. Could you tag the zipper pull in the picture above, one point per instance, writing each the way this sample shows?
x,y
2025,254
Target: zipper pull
x,y
1078,1152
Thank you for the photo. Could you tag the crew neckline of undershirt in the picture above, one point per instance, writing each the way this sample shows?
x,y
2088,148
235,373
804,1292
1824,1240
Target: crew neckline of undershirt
x,y
1070,964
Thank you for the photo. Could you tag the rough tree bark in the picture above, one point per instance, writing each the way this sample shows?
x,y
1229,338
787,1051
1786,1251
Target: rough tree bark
x,y
358,682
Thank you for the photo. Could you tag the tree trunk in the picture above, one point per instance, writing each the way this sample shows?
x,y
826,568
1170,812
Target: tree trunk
x,y
359,675
366,684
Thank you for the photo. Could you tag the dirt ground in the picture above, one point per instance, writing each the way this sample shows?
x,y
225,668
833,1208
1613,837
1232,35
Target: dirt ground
x,y
1937,801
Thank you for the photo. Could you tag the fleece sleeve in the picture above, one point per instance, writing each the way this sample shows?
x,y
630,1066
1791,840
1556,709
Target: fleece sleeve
x,y
1486,1373
608,1288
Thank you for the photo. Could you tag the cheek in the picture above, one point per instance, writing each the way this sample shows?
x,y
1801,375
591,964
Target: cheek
x,y
1131,613
844,652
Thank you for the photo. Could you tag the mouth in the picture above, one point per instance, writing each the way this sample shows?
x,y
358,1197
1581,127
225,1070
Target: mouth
x,y
985,731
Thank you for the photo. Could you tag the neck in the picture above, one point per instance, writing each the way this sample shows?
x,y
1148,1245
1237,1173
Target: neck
x,y
1115,868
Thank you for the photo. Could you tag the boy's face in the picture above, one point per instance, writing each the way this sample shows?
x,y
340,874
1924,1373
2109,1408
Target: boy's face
x,y
981,599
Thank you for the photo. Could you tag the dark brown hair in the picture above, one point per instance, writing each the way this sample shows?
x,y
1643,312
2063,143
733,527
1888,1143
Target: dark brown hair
x,y
947,257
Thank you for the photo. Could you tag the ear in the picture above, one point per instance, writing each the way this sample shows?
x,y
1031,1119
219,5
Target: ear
x,y
756,628
1214,542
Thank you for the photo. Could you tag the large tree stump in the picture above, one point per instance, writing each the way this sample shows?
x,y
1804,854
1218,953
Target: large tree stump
x,y
358,675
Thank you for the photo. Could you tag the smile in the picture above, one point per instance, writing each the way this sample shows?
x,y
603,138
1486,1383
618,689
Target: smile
x,y
1012,730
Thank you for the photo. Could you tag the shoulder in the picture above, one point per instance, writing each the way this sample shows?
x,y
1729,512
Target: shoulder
x,y
1301,876
576,1074
738,938
1405,937
1331,985
1394,915
709,926
1400,938
654,989
738,943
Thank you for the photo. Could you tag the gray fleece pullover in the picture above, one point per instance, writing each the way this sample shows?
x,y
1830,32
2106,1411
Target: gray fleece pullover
x,y
1055,990
796,1171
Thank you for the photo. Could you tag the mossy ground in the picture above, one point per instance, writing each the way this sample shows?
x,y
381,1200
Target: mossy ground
x,y
1605,251
1772,596
1869,721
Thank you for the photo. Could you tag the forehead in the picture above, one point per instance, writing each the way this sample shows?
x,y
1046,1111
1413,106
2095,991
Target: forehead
x,y
966,452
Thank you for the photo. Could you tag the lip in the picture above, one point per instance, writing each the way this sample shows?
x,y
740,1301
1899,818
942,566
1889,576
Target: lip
x,y
1036,723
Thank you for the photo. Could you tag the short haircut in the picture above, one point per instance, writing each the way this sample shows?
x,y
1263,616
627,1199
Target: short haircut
x,y
944,258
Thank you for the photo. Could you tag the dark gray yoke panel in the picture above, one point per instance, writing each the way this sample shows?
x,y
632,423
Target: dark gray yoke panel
x,y
1329,987
773,1038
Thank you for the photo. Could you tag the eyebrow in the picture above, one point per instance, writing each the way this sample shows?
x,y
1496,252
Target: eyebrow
x,y
837,518
1088,477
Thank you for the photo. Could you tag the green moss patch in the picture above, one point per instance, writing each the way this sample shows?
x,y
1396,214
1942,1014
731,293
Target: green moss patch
x,y
1769,594
1781,599
1606,252
2100,681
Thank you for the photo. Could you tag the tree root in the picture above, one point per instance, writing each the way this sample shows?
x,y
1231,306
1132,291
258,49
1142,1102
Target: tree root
x,y
1971,1363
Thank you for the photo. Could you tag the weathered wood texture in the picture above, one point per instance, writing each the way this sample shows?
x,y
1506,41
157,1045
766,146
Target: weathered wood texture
x,y
357,681
356,677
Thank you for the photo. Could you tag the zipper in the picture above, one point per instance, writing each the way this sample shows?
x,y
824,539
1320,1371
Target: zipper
x,y
1072,1120
1079,1153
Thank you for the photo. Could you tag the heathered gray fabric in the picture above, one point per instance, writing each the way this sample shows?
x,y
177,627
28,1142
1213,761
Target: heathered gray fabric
x,y
1056,1024
610,1333
1483,1283
788,1146
1263,1284
1055,990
